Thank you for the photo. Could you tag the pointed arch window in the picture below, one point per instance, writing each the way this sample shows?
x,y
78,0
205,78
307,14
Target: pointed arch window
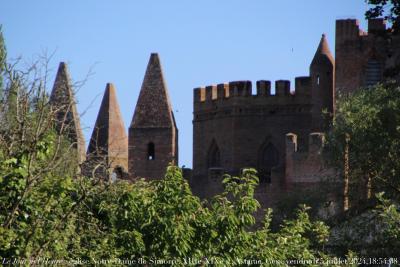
x,y
151,151
373,72
268,159
214,156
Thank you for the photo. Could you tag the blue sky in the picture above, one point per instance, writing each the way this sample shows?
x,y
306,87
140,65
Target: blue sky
x,y
199,42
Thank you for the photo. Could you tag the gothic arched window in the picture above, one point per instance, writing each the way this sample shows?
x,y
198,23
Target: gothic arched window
x,y
269,158
373,72
151,155
214,156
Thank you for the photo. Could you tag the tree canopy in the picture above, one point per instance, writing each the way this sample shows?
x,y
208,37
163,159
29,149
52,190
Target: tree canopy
x,y
370,118
364,145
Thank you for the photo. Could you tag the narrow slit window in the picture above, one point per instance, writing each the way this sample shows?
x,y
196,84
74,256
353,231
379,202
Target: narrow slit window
x,y
150,151
317,79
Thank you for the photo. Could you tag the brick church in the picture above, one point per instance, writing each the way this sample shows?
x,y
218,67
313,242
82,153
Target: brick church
x,y
280,134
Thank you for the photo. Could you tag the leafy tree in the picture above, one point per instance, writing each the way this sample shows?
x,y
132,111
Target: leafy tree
x,y
34,182
38,193
389,213
162,220
364,144
370,119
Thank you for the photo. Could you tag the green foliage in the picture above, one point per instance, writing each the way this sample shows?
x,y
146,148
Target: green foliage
x,y
162,220
157,221
36,173
32,207
35,195
371,118
389,213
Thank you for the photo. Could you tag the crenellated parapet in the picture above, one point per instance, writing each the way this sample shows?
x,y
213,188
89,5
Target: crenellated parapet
x,y
306,166
234,89
303,85
223,91
244,89
349,29
237,95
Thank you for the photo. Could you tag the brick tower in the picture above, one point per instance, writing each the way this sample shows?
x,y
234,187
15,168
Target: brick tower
x,y
362,58
108,147
322,73
63,104
235,129
153,135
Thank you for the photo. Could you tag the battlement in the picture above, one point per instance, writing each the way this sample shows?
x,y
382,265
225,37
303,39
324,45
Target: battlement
x,y
282,88
306,166
315,143
241,89
303,85
349,29
376,25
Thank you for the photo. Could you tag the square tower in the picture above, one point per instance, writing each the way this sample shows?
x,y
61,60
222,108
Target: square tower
x,y
153,135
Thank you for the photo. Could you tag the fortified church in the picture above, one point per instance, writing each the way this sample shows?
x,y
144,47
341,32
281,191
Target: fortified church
x,y
281,134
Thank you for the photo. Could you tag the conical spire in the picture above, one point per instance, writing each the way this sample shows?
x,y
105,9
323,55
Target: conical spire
x,y
109,138
153,135
323,52
64,105
153,108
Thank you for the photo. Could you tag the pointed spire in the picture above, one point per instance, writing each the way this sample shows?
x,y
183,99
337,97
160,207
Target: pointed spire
x,y
323,52
109,138
153,135
153,108
63,103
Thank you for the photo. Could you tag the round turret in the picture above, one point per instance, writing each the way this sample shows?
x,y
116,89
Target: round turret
x,y
322,69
